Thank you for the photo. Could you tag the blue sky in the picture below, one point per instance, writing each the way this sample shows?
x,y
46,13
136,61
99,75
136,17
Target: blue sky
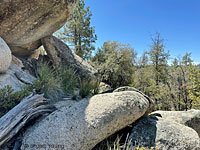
x,y
134,21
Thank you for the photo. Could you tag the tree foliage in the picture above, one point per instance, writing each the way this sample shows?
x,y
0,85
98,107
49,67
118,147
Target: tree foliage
x,y
179,84
114,62
194,92
173,89
78,31
173,86
158,58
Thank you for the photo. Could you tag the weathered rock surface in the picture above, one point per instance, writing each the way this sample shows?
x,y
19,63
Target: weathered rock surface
x,y
128,88
62,55
23,23
66,102
87,122
16,77
164,135
190,118
5,56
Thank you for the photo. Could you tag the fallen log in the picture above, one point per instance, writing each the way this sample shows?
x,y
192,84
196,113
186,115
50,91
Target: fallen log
x,y
28,109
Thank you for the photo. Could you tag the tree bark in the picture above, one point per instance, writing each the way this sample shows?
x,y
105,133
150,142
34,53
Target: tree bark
x,y
28,109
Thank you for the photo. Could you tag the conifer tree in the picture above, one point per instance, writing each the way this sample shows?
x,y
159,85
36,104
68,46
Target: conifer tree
x,y
194,92
159,58
186,60
78,31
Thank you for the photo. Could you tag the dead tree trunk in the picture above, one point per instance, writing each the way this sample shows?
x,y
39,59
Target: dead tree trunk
x,y
28,109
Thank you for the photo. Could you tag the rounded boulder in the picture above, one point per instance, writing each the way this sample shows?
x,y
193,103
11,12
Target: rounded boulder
x,y
5,56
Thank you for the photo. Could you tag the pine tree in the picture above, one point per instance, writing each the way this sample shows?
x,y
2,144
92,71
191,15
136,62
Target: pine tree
x,y
186,60
159,58
78,31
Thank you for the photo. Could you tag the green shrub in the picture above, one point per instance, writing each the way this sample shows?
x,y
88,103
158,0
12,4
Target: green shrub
x,y
48,81
114,62
69,80
88,87
8,99
96,87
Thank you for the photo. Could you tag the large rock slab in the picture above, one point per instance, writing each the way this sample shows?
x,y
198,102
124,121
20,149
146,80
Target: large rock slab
x,y
87,122
16,77
62,56
5,56
24,22
163,135
190,118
